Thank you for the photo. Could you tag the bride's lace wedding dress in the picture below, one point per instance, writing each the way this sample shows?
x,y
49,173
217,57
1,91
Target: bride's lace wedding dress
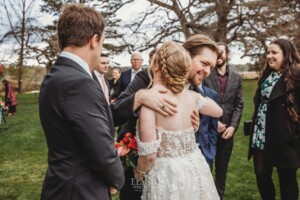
x,y
180,171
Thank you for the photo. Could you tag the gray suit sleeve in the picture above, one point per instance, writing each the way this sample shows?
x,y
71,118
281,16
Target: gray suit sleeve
x,y
238,105
122,108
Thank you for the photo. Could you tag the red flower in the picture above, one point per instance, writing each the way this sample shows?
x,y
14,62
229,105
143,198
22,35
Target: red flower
x,y
133,145
128,135
127,149
123,151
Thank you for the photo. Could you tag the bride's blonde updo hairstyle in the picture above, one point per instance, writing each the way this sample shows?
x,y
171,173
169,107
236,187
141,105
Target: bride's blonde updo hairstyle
x,y
174,63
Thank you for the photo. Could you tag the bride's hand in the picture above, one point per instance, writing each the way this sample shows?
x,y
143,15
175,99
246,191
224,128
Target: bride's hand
x,y
154,100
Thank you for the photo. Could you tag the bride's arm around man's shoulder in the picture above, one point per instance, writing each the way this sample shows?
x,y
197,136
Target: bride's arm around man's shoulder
x,y
208,106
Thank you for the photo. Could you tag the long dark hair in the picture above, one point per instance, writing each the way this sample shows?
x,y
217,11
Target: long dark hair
x,y
291,73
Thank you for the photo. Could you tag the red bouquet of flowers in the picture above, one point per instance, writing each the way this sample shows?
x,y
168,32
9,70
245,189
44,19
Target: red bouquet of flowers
x,y
128,150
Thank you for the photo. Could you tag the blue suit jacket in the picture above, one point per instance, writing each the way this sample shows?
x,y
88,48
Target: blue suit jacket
x,y
125,80
208,131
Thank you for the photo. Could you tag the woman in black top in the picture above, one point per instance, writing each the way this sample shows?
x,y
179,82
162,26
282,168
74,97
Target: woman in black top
x,y
275,134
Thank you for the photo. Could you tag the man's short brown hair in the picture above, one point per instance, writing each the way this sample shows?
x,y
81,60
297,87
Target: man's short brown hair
x,y
77,25
196,43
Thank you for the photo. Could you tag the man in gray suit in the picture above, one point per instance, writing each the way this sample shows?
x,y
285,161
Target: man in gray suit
x,y
76,118
228,84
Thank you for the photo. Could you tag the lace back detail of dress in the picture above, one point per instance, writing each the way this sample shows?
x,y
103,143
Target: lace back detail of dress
x,y
176,143
201,102
180,170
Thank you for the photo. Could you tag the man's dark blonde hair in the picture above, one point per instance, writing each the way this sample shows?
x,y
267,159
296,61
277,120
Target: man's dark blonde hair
x,y
196,43
78,24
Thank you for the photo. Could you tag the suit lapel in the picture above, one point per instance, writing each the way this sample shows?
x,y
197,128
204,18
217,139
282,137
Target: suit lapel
x,y
107,84
230,82
129,78
95,78
203,93
215,81
196,89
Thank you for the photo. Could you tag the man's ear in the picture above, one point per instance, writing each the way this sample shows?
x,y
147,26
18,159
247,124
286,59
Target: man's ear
x,y
93,42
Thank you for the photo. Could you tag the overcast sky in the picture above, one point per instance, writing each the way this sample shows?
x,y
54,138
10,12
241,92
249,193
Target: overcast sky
x,y
126,13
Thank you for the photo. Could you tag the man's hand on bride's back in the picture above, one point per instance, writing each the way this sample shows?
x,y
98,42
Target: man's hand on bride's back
x,y
157,102
195,120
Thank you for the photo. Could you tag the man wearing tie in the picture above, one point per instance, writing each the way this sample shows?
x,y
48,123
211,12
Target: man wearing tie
x,y
100,71
125,79
128,191
128,75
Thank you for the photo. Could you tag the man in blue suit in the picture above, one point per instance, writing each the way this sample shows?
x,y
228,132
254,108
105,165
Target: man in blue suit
x,y
207,134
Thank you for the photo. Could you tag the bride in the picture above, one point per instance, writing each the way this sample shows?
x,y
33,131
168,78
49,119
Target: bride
x,y
170,161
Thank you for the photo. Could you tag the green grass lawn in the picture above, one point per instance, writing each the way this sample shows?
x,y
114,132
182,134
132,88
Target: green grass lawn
x,y
23,155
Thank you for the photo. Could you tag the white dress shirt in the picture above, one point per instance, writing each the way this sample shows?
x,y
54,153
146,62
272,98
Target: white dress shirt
x,y
133,73
78,60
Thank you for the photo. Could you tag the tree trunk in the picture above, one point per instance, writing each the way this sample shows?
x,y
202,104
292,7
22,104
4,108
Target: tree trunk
x,y
21,55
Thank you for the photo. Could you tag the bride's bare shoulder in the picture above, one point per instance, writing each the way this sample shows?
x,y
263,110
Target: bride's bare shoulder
x,y
193,93
190,96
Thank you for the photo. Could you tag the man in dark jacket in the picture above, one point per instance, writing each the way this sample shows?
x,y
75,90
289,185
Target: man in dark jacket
x,y
228,84
82,159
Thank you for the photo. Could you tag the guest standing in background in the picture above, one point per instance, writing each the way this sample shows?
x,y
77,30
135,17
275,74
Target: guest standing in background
x,y
228,84
128,75
129,191
100,72
114,83
275,132
125,79
10,98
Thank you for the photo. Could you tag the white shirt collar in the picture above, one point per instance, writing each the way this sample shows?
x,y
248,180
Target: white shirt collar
x,y
134,72
200,86
78,60
98,74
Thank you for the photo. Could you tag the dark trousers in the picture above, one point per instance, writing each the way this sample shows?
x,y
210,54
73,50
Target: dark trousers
x,y
132,190
224,149
287,179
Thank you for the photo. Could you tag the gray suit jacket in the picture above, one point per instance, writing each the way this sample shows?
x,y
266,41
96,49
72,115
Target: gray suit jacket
x,y
232,101
82,159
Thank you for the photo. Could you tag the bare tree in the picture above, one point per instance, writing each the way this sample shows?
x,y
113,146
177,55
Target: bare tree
x,y
114,42
248,25
19,25
47,50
